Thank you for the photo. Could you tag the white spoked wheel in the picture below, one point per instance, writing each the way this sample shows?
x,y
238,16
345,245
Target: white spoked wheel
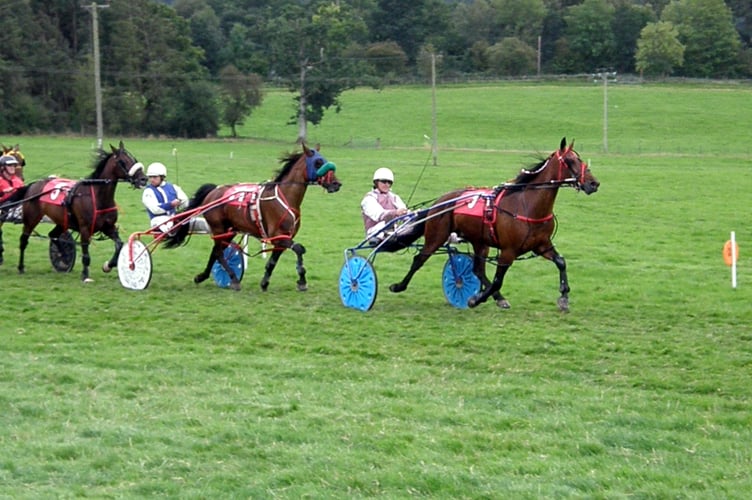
x,y
458,280
134,266
358,284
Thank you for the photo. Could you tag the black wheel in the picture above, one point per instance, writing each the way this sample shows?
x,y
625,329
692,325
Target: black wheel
x,y
63,252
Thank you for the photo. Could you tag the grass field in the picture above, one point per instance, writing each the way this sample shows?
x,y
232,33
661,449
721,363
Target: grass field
x,y
187,391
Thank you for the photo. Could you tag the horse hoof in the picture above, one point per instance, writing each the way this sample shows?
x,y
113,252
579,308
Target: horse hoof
x,y
302,287
503,304
396,288
235,286
264,286
563,304
472,302
106,267
88,280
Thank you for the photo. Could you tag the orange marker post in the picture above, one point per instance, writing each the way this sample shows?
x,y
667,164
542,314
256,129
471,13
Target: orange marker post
x,y
730,256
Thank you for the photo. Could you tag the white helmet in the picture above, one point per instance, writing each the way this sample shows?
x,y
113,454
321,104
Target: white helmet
x,y
383,174
155,169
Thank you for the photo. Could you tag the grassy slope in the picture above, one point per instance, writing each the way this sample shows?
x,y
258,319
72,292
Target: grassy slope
x,y
183,391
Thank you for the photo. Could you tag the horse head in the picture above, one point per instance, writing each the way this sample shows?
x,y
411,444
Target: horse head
x,y
128,168
571,163
321,171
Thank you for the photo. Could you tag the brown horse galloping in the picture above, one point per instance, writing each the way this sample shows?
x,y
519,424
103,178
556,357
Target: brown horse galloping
x,y
269,212
86,206
516,218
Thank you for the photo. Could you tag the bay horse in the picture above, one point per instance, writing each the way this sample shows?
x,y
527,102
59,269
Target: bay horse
x,y
269,212
86,206
515,218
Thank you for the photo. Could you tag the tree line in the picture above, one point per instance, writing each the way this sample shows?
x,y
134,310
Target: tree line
x,y
186,67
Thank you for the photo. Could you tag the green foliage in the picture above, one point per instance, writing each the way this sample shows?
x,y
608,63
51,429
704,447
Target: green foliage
x,y
239,95
629,20
195,392
511,56
707,32
589,37
659,50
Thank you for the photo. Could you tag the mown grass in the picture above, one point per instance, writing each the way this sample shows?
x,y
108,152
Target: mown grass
x,y
195,392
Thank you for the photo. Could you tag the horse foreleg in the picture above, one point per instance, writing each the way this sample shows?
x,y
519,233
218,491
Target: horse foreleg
x,y
561,265
299,251
493,288
85,260
1,245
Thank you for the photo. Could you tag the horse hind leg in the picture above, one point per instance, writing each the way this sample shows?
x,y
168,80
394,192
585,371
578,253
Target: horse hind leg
x,y
217,255
112,263
269,268
417,263
2,249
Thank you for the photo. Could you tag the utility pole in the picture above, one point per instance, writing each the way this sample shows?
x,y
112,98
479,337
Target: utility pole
x,y
434,142
605,75
97,81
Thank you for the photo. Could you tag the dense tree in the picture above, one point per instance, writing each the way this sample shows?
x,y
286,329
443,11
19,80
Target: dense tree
x,y
708,35
659,50
511,57
306,53
148,57
590,41
629,20
159,55
239,94
410,24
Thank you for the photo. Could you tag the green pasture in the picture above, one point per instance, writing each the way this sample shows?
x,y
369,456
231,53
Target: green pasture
x,y
185,391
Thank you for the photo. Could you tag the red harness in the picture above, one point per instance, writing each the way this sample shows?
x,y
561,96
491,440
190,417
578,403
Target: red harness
x,y
56,191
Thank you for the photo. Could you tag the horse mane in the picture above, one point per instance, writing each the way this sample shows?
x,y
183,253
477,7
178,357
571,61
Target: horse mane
x,y
529,173
288,161
100,160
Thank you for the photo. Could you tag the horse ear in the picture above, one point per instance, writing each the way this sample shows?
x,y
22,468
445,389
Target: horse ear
x,y
563,144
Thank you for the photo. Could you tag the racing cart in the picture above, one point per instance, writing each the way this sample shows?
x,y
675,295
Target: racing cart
x,y
135,262
358,284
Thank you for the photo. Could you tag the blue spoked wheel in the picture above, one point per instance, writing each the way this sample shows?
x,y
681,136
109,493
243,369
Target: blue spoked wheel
x,y
358,284
234,257
458,281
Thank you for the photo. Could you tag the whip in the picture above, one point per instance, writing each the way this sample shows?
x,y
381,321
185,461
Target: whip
x,y
420,176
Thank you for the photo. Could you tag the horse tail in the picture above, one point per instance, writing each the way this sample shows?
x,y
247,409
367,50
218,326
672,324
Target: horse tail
x,y
178,237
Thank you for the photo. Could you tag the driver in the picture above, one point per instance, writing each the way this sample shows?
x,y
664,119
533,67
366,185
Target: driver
x,y
9,181
381,205
161,198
